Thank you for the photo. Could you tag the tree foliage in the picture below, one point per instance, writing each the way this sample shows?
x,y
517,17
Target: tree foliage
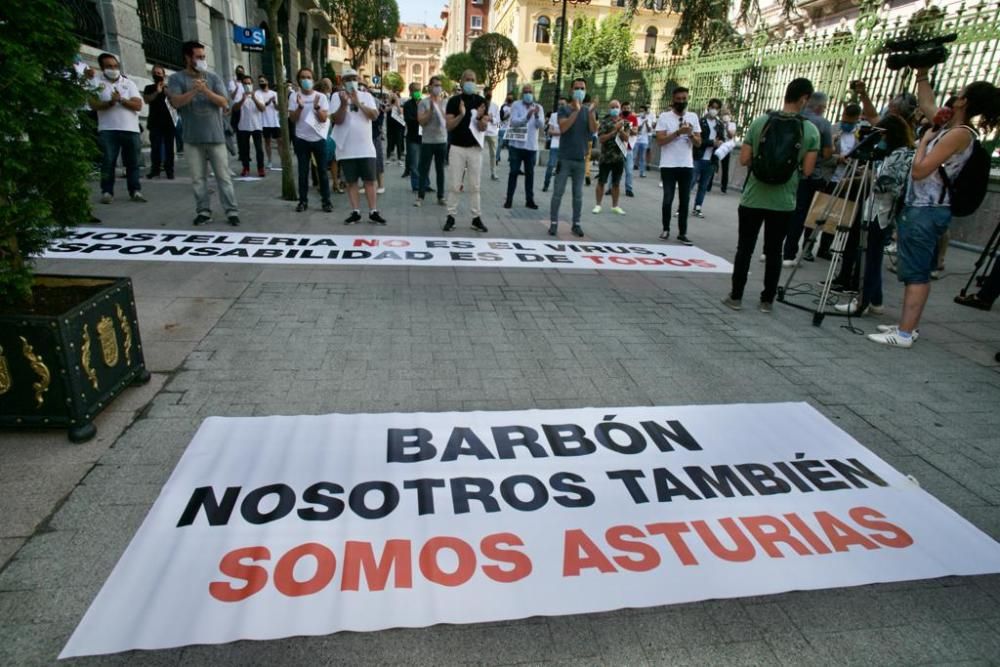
x,y
394,82
362,23
706,23
457,63
591,45
498,56
45,153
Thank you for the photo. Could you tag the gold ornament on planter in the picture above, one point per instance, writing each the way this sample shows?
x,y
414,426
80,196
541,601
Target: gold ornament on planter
x,y
85,357
109,341
5,380
126,332
37,365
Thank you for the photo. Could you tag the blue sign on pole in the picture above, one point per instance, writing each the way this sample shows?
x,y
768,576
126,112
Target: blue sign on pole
x,y
251,39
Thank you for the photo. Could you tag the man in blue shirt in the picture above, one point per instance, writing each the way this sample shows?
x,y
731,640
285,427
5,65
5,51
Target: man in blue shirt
x,y
577,123
526,119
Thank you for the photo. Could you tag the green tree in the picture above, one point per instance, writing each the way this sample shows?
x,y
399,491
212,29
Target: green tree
x,y
394,82
457,63
45,154
705,23
498,56
288,191
362,23
590,46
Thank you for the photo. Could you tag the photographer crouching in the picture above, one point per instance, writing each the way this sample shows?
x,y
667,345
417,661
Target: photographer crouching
x,y
942,153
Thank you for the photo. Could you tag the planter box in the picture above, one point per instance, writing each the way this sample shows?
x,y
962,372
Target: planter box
x,y
61,365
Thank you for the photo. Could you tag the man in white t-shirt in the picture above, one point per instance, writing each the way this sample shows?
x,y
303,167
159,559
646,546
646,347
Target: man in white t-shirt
x,y
353,111
492,133
553,131
251,126
646,122
117,101
309,110
678,133
713,135
269,119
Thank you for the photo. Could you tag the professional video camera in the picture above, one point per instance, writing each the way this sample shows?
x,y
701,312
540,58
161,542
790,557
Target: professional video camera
x,y
870,147
917,52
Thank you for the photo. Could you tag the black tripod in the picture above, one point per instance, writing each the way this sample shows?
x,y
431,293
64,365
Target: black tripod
x,y
985,262
839,213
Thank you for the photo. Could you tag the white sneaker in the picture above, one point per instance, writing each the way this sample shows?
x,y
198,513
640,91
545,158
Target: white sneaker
x,y
892,338
418,203
660,185
763,257
107,198
788,263
618,210
852,307
137,196
893,328
380,191
596,209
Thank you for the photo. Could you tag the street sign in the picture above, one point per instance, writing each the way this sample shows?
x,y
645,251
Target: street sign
x,y
376,80
250,39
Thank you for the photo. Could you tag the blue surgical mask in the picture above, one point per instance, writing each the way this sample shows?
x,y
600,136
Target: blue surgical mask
x,y
306,84
469,87
614,112
527,98
350,86
848,127
579,94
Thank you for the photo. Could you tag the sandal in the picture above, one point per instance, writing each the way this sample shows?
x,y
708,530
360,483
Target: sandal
x,y
973,301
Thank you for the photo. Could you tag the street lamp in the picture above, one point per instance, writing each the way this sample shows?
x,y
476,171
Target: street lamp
x,y
562,41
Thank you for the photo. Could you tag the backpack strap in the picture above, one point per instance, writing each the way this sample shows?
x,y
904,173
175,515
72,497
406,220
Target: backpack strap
x,y
941,171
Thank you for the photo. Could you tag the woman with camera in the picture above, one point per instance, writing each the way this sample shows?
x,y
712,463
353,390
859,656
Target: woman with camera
x,y
926,214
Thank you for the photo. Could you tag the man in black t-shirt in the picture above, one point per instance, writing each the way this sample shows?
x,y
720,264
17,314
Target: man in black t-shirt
x,y
412,136
466,120
160,124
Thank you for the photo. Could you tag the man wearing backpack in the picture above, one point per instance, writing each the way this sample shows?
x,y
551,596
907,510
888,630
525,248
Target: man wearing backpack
x,y
776,148
949,176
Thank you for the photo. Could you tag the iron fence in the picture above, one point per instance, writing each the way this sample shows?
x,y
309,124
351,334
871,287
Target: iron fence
x,y
751,79
87,22
161,32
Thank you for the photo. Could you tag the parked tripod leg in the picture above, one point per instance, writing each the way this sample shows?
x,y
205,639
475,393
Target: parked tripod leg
x,y
987,257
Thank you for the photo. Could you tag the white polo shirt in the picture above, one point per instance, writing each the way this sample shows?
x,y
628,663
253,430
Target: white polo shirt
x,y
251,118
117,117
678,153
304,129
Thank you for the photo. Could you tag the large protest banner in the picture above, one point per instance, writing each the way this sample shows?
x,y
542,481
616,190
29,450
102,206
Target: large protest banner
x,y
308,250
279,526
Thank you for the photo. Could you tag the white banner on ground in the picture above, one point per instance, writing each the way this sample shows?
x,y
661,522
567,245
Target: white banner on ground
x,y
335,250
279,526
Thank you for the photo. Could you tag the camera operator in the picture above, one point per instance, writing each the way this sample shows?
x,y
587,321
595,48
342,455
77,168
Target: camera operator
x,y
927,212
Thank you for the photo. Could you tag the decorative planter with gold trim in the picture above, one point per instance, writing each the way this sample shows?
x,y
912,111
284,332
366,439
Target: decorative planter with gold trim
x,y
61,370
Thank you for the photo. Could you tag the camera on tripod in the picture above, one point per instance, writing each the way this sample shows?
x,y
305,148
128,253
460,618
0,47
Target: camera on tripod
x,y
917,52
870,147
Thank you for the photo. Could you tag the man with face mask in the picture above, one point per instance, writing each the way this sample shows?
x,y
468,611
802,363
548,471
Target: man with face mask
x,y
504,124
645,122
577,122
678,132
200,98
160,124
235,89
713,134
414,137
723,164
492,133
767,204
526,119
633,130
434,146
117,101
613,135
269,119
354,111
466,120
251,127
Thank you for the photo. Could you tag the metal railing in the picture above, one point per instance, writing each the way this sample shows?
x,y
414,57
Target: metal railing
x,y
161,32
87,22
751,79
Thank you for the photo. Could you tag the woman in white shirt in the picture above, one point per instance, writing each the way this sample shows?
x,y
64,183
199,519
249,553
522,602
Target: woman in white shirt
x,y
309,110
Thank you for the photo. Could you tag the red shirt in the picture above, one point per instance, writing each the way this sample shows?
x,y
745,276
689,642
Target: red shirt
x,y
634,120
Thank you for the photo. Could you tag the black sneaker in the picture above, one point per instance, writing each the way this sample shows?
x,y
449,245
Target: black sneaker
x,y
508,204
202,219
301,207
406,172
629,193
587,179
354,217
825,254
684,240
808,256
327,207
553,228
449,224
376,217
233,220
577,230
478,225
545,188
532,205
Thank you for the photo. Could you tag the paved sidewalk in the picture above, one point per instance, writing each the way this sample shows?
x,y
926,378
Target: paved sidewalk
x,y
233,340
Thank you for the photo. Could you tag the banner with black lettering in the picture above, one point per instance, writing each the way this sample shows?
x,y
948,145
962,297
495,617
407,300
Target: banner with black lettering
x,y
279,526
335,250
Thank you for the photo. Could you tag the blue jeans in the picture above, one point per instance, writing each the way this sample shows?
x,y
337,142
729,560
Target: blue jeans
x,y
428,152
551,166
703,172
305,151
413,165
127,143
629,161
919,229
568,169
501,143
522,160
639,154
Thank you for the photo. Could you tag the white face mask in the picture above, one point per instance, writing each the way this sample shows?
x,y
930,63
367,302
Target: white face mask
x,y
201,65
712,113
112,74
435,90
247,87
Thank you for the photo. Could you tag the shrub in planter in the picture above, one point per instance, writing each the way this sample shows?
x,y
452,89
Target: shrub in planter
x,y
56,334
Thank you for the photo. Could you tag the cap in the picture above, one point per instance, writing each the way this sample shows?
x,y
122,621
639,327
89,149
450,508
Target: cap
x,y
347,71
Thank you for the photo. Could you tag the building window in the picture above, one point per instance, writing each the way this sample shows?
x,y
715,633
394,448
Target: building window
x,y
651,34
301,31
416,70
87,23
161,32
558,29
620,3
477,22
542,26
